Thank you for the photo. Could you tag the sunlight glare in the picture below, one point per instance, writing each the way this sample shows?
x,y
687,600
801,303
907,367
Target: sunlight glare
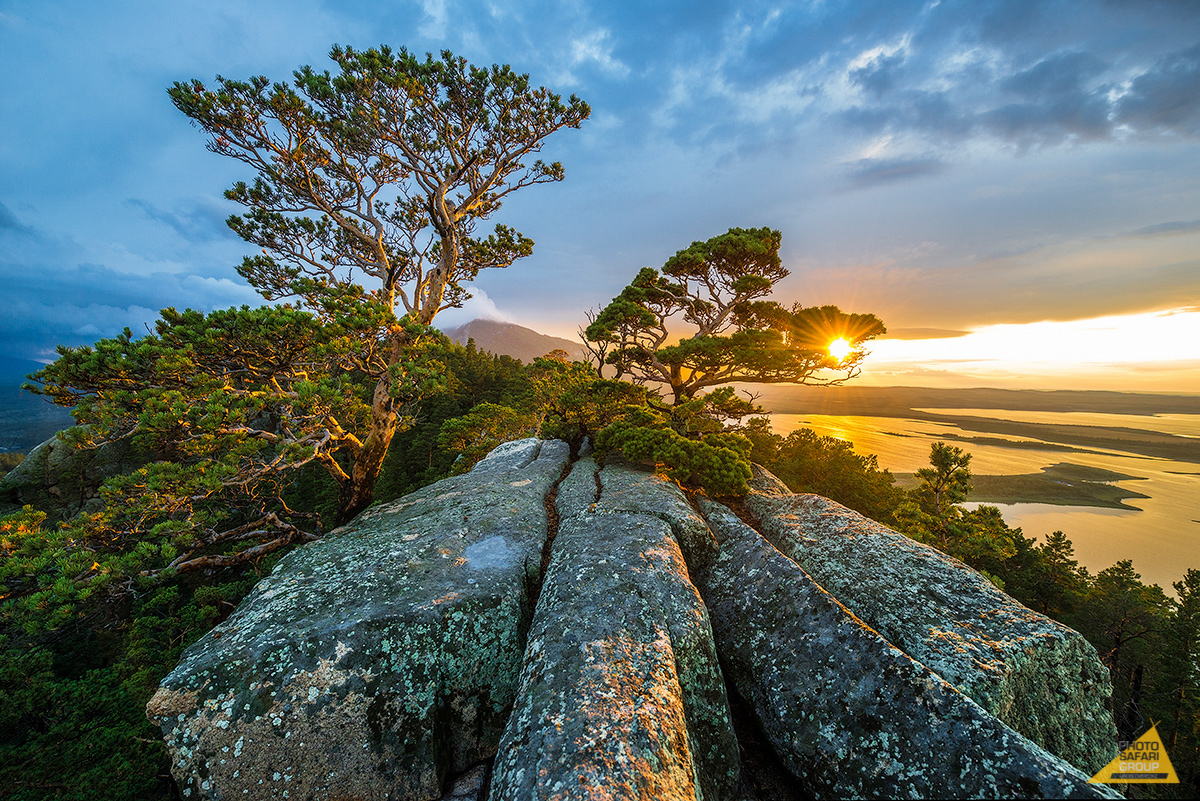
x,y
840,348
1130,346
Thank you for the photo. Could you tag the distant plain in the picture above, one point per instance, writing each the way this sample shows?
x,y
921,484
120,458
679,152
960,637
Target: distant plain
x,y
1118,473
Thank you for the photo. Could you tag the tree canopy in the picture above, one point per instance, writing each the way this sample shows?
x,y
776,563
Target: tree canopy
x,y
717,290
371,183
380,173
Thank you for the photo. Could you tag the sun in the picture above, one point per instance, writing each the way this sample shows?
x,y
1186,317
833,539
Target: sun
x,y
840,348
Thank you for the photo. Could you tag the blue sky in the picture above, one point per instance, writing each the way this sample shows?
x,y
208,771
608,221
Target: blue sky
x,y
946,165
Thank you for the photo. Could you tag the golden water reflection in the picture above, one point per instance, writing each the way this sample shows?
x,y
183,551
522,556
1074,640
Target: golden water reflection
x,y
1163,539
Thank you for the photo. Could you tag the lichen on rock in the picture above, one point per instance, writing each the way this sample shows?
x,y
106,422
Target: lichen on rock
x,y
63,479
848,712
376,662
1035,674
419,653
621,692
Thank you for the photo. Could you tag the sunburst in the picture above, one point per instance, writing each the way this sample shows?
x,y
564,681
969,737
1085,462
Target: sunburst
x,y
840,349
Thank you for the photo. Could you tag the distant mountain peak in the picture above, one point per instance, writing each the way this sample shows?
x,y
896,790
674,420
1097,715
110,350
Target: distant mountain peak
x,y
510,339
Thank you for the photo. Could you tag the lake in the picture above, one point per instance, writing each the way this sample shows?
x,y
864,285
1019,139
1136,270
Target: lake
x,y
1162,537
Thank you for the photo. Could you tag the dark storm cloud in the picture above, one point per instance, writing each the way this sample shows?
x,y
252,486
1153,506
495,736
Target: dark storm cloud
x,y
1056,99
52,298
1070,95
1024,86
48,306
1026,73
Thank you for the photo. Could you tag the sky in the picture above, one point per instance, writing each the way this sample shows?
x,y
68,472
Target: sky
x,y
1013,187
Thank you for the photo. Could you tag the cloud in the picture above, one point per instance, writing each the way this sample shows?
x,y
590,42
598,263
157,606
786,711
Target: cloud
x,y
196,221
436,14
9,221
923,333
1058,98
478,306
596,47
1165,98
49,305
880,76
1167,228
866,173
1002,74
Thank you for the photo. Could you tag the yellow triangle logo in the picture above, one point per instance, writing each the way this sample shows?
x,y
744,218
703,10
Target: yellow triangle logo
x,y
1143,761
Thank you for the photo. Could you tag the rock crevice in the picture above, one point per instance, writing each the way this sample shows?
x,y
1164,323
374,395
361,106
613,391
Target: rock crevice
x,y
847,711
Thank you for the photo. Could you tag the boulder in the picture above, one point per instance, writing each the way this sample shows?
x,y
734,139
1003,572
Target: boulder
x,y
621,693
848,712
59,478
379,661
1038,676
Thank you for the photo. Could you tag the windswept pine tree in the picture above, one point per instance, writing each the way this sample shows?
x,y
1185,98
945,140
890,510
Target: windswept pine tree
x,y
371,185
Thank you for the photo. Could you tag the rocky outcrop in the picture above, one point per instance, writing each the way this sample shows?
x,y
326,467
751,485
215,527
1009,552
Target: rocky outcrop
x,y
1038,676
59,478
848,711
379,661
621,693
510,635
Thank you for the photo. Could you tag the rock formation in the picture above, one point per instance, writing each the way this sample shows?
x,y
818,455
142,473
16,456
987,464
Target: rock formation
x,y
621,692
59,478
378,662
517,634
848,711
1038,676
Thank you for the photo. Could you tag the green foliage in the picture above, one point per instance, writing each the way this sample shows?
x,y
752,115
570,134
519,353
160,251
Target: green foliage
x,y
370,184
1124,619
827,466
1053,581
77,665
476,433
230,405
946,482
398,159
718,462
241,411
1174,690
10,460
1149,642
932,514
717,288
586,408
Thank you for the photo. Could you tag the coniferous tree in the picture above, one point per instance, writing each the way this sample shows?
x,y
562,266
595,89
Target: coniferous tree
x,y
717,288
371,183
